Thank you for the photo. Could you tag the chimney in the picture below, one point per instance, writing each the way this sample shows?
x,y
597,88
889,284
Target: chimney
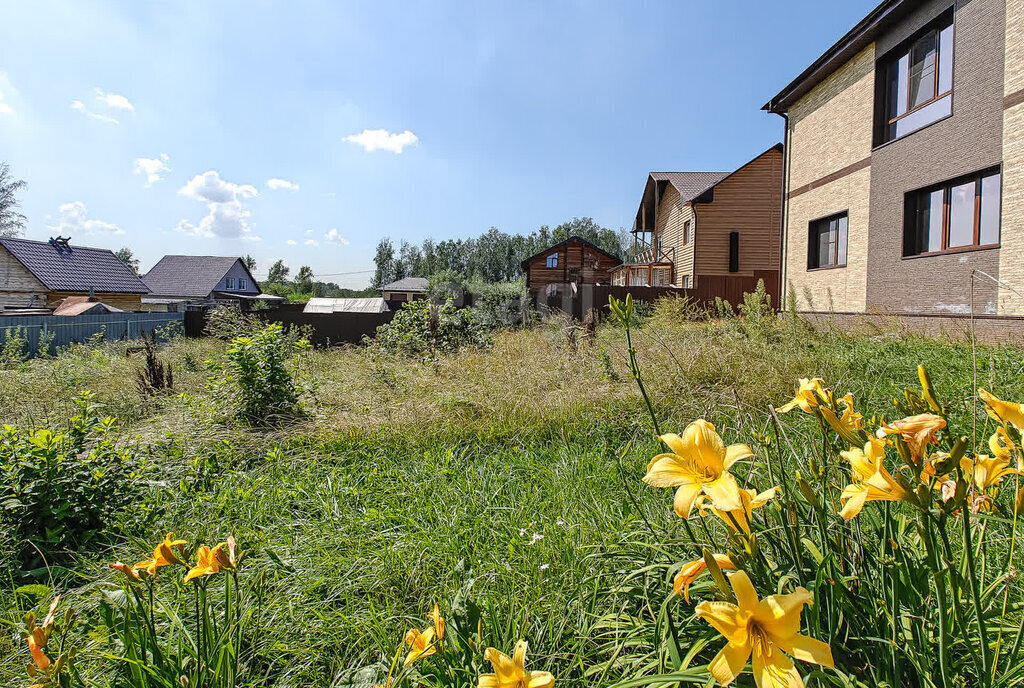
x,y
92,294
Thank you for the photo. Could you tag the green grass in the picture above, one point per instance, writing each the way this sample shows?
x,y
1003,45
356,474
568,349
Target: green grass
x,y
411,481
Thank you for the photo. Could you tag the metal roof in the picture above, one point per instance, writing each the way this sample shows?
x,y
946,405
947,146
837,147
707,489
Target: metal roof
x,y
66,267
192,276
357,305
407,284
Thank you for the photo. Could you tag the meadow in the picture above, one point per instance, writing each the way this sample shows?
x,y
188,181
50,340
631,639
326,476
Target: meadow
x,y
504,484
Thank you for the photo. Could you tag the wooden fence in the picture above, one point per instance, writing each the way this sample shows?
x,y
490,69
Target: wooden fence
x,y
331,328
578,301
57,331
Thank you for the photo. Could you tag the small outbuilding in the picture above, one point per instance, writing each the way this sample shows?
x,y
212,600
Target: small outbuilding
x,y
357,305
405,289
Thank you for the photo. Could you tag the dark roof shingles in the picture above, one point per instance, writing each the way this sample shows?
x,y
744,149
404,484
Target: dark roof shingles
x,y
75,268
195,276
407,284
690,185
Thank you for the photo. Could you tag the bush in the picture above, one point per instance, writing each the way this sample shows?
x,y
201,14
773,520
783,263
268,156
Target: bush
x,y
253,379
60,489
422,327
501,304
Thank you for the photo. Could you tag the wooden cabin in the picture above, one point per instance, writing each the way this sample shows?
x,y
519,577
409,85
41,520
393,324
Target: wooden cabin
x,y
574,261
42,274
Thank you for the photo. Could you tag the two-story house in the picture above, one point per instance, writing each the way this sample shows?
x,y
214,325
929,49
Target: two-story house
x,y
181,283
709,230
904,184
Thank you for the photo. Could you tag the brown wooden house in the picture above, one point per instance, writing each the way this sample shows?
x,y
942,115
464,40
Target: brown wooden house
x,y
42,274
567,266
708,230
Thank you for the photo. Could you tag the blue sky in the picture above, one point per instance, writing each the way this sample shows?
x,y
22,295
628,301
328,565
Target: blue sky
x,y
159,126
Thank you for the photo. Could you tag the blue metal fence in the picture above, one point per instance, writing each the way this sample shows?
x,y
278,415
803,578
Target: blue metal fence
x,y
60,331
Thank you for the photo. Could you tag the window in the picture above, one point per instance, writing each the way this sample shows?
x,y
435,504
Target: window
x,y
639,277
826,246
960,214
687,282
553,260
229,282
662,277
686,233
914,83
734,251
660,249
243,283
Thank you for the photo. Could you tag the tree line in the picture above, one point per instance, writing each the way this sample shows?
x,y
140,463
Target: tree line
x,y
494,256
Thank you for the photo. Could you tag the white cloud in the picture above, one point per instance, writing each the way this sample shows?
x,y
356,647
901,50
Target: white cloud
x,y
5,109
311,242
153,168
80,106
308,232
382,139
291,242
333,236
276,184
73,222
114,100
226,217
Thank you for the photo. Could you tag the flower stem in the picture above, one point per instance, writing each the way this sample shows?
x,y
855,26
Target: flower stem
x,y
975,594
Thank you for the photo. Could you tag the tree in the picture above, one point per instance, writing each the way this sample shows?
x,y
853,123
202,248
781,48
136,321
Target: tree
x,y
384,259
304,279
250,263
126,256
278,273
11,221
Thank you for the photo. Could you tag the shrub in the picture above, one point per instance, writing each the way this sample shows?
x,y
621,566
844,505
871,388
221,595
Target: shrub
x,y
228,322
60,488
13,348
422,327
252,379
155,376
501,304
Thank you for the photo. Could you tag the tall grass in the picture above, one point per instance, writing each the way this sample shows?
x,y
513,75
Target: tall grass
x,y
507,480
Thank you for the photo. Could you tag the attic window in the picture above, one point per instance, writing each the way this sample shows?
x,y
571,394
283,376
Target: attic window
x,y
242,283
553,260
229,282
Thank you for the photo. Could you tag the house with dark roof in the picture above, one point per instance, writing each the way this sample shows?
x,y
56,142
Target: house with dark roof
x,y
567,266
42,274
905,165
189,282
405,289
720,227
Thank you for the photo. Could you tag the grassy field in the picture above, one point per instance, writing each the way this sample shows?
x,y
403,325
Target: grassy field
x,y
488,475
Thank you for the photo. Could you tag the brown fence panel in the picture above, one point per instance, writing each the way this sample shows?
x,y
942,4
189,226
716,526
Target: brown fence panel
x,y
331,328
195,323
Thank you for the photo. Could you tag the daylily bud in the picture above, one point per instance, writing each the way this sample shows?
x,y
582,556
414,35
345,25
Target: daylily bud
x,y
957,452
945,464
926,389
31,670
807,491
1019,503
717,575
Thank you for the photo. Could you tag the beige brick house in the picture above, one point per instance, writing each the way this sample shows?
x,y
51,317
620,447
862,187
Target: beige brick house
x,y
707,230
904,182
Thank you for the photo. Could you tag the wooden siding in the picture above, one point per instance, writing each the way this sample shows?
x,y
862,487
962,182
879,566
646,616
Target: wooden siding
x,y
671,217
126,302
19,288
748,202
592,266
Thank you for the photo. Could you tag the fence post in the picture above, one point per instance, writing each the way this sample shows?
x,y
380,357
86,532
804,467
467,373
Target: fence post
x,y
128,328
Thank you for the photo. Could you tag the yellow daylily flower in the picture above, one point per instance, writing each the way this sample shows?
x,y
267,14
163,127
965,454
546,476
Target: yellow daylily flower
x,y
808,396
1003,411
435,616
749,500
849,426
421,644
510,672
226,555
206,564
871,481
917,431
692,570
1002,446
763,629
986,471
163,555
127,570
698,462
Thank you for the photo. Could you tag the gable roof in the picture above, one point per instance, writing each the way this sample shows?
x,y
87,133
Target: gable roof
x,y
407,284
526,261
690,185
66,267
867,30
195,276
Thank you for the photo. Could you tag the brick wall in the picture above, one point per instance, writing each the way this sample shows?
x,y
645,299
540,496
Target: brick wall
x,y
967,142
831,129
1011,255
